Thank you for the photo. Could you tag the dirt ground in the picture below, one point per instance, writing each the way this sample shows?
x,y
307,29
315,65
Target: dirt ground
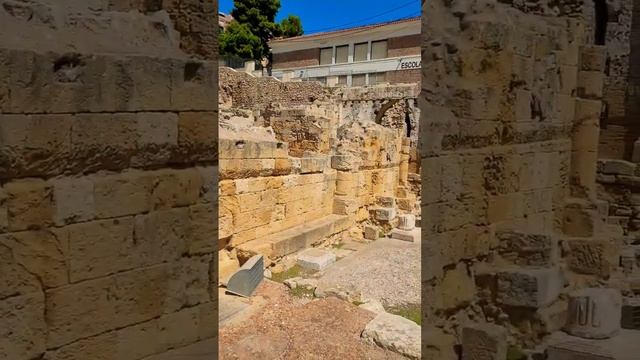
x,y
290,328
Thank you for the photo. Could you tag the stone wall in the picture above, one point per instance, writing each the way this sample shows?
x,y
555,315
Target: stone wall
x,y
511,105
108,163
243,91
618,131
297,179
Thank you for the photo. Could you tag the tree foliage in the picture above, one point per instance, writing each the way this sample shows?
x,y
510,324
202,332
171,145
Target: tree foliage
x,y
291,26
254,25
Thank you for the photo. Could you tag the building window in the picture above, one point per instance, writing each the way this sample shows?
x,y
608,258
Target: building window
x,y
342,80
360,52
342,54
359,80
377,78
326,56
379,49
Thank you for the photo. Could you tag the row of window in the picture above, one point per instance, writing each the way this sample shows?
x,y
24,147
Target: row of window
x,y
357,79
361,52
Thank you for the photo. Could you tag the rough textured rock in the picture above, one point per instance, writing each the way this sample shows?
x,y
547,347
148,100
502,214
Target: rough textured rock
x,y
395,333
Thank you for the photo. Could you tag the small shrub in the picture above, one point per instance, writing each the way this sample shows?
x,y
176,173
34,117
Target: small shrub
x,y
292,272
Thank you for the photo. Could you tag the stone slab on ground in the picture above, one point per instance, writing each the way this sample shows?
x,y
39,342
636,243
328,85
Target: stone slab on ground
x,y
624,346
406,235
316,259
394,333
385,270
230,306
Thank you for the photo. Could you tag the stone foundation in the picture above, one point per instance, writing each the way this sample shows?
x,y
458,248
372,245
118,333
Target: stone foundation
x,y
108,169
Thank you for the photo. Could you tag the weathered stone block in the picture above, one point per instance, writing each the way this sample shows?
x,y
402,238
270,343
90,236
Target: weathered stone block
x,y
534,288
527,249
156,130
578,350
345,206
593,257
344,162
406,235
35,144
594,313
593,58
34,255
371,232
312,165
203,228
23,329
580,221
630,313
457,288
590,84
616,167
83,310
386,201
484,342
198,132
316,259
123,194
73,198
29,204
384,214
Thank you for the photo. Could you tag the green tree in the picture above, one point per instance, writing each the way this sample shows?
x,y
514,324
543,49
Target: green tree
x,y
253,27
237,39
291,26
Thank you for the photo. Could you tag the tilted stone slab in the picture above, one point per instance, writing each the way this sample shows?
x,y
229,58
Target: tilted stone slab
x,y
245,281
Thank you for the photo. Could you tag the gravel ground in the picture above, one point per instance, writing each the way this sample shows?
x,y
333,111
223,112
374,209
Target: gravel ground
x,y
289,328
386,270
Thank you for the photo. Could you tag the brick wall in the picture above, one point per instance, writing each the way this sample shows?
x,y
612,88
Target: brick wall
x,y
296,59
404,76
108,168
404,46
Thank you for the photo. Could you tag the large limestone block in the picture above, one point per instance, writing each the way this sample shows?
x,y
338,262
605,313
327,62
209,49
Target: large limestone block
x,y
22,326
592,257
594,313
29,204
395,333
527,249
316,259
529,287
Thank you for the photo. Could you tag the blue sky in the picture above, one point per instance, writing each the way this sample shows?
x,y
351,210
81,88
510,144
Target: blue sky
x,y
328,15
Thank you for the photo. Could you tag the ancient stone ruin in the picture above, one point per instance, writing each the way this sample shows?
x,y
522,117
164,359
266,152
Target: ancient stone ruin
x,y
108,163
528,200
324,180
300,163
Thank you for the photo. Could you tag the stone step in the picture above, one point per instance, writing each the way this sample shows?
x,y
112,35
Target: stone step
x,y
297,238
